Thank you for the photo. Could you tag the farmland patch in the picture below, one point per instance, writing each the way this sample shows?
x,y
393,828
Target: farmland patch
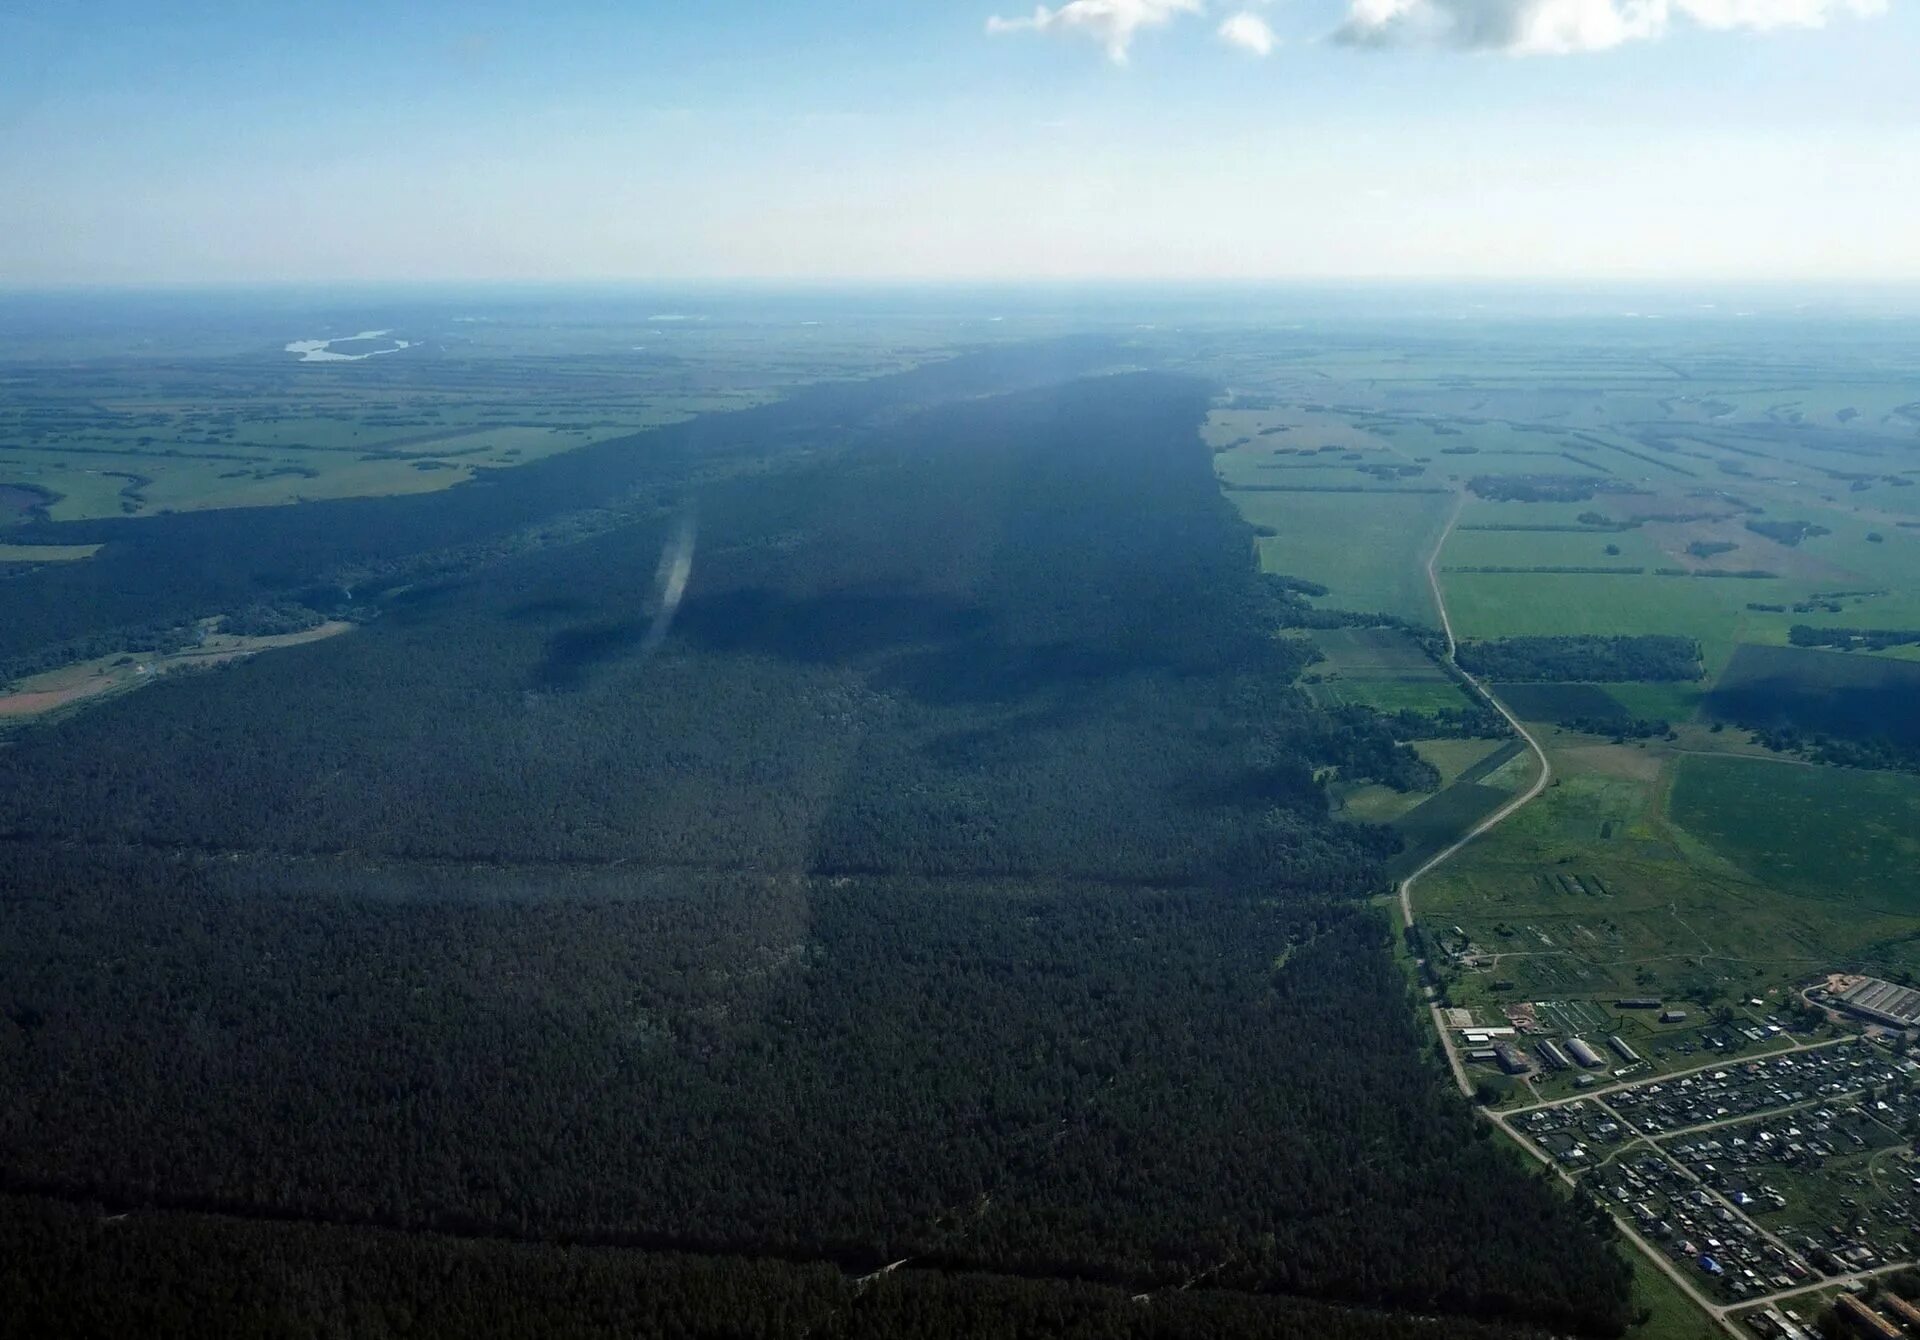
x,y
1835,834
1562,702
1852,696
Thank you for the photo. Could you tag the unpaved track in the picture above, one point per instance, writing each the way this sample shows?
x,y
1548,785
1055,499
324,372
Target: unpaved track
x,y
1541,781
1545,773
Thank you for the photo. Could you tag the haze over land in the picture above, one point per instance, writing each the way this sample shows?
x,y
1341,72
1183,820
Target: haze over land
x,y
1131,669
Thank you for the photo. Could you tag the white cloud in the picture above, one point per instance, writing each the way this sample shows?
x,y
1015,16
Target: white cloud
x,y
1111,23
1559,27
1249,32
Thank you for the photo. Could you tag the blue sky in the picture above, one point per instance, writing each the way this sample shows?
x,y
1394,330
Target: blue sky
x,y
741,138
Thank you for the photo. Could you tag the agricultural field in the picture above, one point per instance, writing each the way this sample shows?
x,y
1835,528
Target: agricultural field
x,y
84,683
46,553
1851,695
1452,759
1834,835
1463,802
1598,891
1727,490
146,417
1381,668
1555,702
1367,548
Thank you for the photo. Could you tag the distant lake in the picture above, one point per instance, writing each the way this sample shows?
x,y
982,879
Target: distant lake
x,y
346,348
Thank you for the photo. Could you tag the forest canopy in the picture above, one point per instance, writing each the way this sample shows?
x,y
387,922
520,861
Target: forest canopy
x,y
947,875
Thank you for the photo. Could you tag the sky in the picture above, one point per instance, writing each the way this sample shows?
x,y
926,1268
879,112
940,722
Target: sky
x,y
165,142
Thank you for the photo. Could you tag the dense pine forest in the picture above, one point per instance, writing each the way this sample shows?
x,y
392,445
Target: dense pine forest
x,y
69,1272
946,877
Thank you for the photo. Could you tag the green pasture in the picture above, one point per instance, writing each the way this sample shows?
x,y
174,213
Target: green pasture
x,y
1493,605
1657,906
1831,834
1518,548
1368,549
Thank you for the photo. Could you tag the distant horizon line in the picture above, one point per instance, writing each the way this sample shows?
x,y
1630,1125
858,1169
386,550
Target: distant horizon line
x,y
1774,283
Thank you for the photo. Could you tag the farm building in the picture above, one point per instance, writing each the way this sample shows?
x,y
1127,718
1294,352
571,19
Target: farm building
x,y
1618,1044
1553,1056
1583,1053
1883,1002
1864,1320
1901,1308
1673,1016
1773,1322
1636,1003
1511,1060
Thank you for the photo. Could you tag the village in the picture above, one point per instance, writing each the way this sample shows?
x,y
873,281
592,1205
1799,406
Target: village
x,y
1780,1174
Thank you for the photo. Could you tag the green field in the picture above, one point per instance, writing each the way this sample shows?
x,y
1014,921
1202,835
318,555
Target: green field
x,y
1493,605
1382,804
1670,1314
1369,550
1653,907
124,431
1556,702
1381,668
46,553
1511,548
1826,833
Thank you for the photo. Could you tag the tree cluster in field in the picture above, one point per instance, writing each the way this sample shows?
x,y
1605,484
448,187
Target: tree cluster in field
x,y
81,1271
1583,658
1856,711
1877,752
1618,728
1542,488
1864,639
1789,533
1739,574
271,620
1475,722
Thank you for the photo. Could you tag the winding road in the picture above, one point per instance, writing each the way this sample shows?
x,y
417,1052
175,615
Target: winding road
x,y
1542,780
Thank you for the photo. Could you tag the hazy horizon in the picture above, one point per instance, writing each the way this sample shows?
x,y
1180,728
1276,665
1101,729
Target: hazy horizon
x,y
978,141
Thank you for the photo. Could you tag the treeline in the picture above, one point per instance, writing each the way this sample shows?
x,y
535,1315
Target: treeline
x,y
1618,728
1137,1088
272,620
1598,570
1542,488
1579,658
1858,711
1882,752
1864,639
1476,722
1738,574
77,1271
